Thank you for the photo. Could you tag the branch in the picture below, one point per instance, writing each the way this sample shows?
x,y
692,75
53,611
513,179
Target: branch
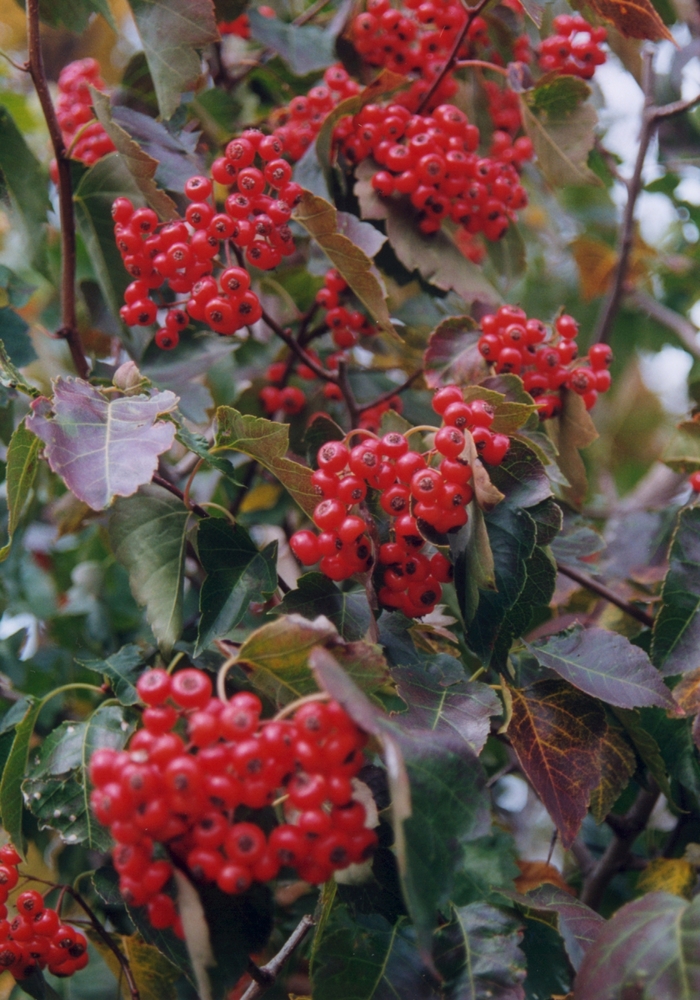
x,y
348,394
171,488
619,849
289,340
266,976
608,595
686,332
69,325
386,396
472,12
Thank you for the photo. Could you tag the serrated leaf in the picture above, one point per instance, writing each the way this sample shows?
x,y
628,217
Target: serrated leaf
x,y
102,448
56,787
172,32
577,923
638,19
673,875
305,48
237,573
155,976
605,665
365,958
649,950
452,355
317,595
11,378
122,671
572,430
20,472
534,10
11,801
439,697
148,533
478,954
140,165
617,765
268,443
23,178
321,221
561,124
175,154
676,640
557,734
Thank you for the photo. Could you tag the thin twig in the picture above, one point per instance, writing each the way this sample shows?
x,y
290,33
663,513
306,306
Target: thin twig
x,y
269,972
686,332
619,849
608,595
651,119
172,488
386,396
289,340
69,324
348,395
472,12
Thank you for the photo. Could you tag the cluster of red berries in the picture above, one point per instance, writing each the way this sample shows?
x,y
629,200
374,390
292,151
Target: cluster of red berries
x,y
574,49
298,124
184,792
35,938
346,325
74,111
433,160
545,360
241,25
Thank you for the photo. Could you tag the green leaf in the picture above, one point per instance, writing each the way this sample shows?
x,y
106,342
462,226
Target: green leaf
x,y
172,32
367,959
304,48
24,179
56,787
20,472
155,975
646,748
508,255
10,378
675,645
649,951
682,452
267,442
93,196
473,563
11,801
140,165
36,986
237,573
73,14
148,533
317,595
605,665
478,954
452,354
350,245
200,446
571,431
561,124
122,670
488,866
540,584
13,332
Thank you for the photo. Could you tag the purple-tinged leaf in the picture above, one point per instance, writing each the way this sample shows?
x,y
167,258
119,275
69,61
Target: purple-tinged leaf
x,y
577,923
648,950
102,448
605,665
441,699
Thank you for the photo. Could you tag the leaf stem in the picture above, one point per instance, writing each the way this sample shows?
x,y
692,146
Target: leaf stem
x,y
69,324
268,973
609,595
172,488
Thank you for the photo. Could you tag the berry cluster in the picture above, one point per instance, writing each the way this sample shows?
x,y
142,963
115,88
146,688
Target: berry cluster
x,y
433,160
74,111
346,325
187,793
574,49
35,938
298,124
239,26
545,360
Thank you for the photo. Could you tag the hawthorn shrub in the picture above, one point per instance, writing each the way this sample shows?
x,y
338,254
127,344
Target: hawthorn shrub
x,y
350,643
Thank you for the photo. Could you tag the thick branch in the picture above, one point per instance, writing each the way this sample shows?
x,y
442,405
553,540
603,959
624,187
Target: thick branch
x,y
682,327
619,849
608,595
69,325
472,12
267,974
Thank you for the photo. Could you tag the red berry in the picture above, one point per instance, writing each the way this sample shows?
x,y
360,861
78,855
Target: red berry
x,y
191,688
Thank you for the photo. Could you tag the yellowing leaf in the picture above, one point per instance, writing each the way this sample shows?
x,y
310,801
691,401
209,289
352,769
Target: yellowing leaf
x,y
262,497
672,875
572,430
596,263
320,219
534,873
155,976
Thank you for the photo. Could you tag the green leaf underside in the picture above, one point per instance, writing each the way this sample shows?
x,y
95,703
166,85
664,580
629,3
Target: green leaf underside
x,y
561,124
23,178
57,788
676,642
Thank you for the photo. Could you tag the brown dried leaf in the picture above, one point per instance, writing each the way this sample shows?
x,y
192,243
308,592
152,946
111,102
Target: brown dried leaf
x,y
618,762
572,430
536,873
633,18
687,693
